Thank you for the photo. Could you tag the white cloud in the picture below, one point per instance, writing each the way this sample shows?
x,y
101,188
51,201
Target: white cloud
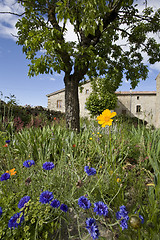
x,y
155,66
58,75
70,34
8,21
149,3
52,79
125,80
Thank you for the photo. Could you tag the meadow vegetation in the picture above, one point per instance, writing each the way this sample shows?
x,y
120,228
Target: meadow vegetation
x,y
102,183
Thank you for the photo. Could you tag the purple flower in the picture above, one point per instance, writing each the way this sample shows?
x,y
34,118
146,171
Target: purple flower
x,y
90,221
16,220
100,208
55,203
122,215
48,165
46,197
84,202
64,207
7,141
0,211
92,228
5,176
123,224
23,201
28,163
90,171
142,219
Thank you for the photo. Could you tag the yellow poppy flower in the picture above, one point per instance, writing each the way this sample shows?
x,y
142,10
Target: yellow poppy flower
x,y
11,172
105,118
118,180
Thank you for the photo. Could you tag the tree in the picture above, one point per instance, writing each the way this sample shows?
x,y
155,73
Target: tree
x,y
99,25
103,93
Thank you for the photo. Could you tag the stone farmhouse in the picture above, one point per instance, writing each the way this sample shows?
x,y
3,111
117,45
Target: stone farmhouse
x,y
144,105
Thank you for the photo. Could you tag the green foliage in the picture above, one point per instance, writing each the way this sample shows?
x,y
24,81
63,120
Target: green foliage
x,y
97,103
14,117
103,95
98,25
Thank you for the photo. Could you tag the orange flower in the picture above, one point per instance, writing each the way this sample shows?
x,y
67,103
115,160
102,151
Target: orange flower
x,y
73,145
105,118
54,118
11,172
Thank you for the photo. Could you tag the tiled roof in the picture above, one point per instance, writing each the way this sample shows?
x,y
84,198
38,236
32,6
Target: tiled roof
x,y
136,92
56,92
118,93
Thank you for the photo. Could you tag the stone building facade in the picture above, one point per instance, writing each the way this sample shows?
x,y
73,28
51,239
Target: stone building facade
x,y
144,105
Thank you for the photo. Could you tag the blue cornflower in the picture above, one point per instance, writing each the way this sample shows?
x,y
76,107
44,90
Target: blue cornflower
x,y
92,228
122,215
90,171
142,219
0,211
16,220
48,165
23,201
5,176
123,224
90,221
64,207
84,202
46,197
100,208
28,163
7,141
55,203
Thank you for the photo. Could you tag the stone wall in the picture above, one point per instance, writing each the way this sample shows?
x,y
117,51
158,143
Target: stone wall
x,y
55,98
56,101
138,104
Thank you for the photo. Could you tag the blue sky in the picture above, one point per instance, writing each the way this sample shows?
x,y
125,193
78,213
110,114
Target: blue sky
x,y
14,79
33,91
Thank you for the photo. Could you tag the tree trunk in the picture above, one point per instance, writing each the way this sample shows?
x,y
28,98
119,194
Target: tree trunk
x,y
72,102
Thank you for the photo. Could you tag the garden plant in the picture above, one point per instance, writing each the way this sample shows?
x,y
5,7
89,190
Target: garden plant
x,y
101,183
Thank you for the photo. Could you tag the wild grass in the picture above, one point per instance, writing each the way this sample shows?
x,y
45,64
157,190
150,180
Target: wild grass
x,y
126,159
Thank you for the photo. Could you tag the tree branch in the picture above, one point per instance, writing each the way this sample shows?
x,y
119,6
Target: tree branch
x,y
16,14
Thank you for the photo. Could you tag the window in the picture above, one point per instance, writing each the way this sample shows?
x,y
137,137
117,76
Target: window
x,y
59,103
137,97
138,108
87,91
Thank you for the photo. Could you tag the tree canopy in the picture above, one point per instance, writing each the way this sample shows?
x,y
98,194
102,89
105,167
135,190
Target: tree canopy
x,y
112,36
